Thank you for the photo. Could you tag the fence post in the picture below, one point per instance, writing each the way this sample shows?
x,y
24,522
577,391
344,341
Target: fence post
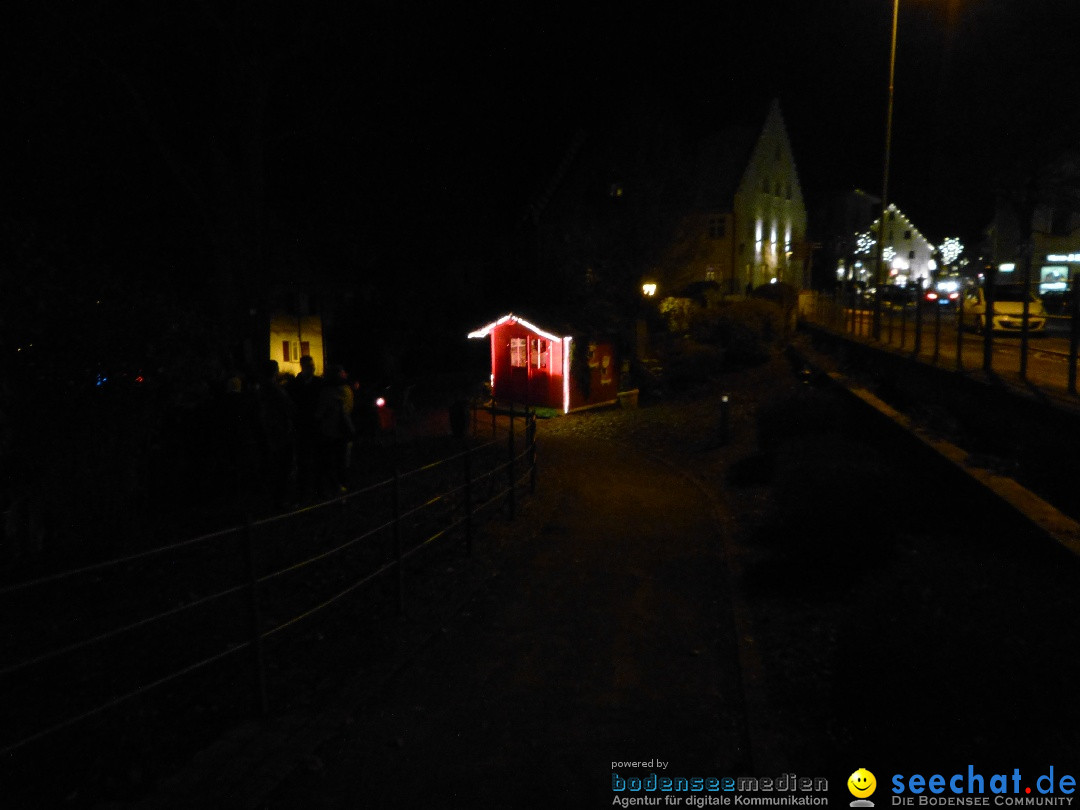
x,y
256,619
937,330
532,454
988,330
397,543
468,502
510,462
960,334
918,324
1074,331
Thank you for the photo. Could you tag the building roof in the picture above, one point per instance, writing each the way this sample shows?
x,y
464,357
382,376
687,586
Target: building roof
x,y
510,317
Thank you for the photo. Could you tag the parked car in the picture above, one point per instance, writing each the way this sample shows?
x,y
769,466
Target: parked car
x,y
896,297
1008,309
945,293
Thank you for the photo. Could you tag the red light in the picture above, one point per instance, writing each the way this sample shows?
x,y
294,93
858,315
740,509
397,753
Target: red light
x,y
931,296
954,295
139,378
380,402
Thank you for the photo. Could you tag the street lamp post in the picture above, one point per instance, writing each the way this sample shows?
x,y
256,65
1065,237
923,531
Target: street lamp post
x,y
882,276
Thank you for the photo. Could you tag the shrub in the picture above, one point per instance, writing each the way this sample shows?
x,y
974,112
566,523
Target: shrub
x,y
691,363
748,330
786,297
678,313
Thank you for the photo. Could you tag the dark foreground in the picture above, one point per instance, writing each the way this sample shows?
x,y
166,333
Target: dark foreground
x,y
808,597
804,595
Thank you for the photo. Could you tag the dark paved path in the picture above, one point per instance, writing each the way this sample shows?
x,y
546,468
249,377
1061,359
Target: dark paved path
x,y
606,636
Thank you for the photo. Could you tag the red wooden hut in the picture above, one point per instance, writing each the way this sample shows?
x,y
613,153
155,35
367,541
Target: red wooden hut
x,y
532,365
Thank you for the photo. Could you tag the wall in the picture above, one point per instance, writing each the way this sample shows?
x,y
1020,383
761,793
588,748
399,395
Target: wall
x,y
295,330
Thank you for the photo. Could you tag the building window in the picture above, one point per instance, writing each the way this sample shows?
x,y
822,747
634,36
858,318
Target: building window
x,y
710,273
907,235
716,227
518,353
293,350
911,254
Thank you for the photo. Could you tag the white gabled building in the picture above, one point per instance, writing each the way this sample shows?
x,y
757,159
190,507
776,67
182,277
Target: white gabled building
x,y
908,254
746,223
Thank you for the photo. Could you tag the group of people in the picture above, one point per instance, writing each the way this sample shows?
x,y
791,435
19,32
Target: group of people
x,y
299,432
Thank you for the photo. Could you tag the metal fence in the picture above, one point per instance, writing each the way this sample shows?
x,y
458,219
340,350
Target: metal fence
x,y
949,337
83,643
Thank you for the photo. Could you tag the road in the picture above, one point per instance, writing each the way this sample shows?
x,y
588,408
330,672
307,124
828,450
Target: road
x,y
609,636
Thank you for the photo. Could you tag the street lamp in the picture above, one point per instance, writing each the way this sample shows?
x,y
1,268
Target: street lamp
x,y
885,176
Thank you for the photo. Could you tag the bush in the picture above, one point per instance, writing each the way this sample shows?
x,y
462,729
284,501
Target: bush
x,y
678,314
691,363
748,330
784,296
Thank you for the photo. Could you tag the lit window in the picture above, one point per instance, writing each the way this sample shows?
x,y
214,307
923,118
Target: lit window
x,y
518,353
293,350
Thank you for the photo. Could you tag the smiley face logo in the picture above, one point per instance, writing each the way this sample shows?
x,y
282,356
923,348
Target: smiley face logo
x,y
861,783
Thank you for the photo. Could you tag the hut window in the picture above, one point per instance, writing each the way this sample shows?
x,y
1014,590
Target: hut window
x,y
518,356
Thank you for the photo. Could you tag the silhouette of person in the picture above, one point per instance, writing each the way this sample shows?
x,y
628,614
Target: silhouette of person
x,y
304,391
277,417
334,417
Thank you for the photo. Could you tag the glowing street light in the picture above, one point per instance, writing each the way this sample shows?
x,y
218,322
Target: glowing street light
x,y
885,174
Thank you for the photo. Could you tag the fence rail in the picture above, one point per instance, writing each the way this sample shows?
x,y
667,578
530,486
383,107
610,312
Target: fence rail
x,y
944,335
232,590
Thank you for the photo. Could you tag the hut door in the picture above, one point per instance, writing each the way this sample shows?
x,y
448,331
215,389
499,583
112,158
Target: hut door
x,y
539,370
519,369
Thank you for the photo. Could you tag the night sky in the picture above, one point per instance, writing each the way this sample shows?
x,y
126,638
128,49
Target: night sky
x,y
398,132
